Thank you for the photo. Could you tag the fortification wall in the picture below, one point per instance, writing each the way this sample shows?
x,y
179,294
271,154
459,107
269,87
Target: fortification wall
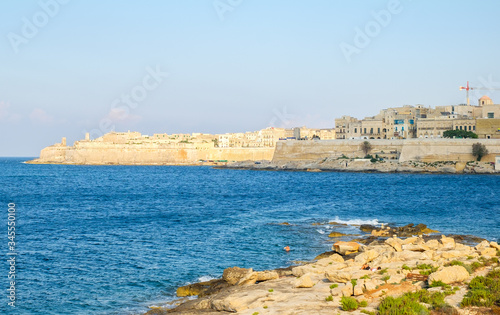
x,y
427,150
151,153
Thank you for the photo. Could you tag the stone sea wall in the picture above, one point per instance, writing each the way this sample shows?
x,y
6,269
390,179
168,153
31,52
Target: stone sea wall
x,y
425,150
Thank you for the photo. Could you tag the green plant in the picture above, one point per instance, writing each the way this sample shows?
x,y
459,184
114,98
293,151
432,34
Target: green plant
x,y
459,134
349,303
363,304
265,307
354,282
405,267
409,303
255,313
439,283
365,277
329,298
479,150
469,257
271,290
484,290
368,312
385,278
366,147
333,286
381,272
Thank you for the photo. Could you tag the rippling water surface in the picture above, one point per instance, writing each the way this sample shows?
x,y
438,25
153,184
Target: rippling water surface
x,y
117,239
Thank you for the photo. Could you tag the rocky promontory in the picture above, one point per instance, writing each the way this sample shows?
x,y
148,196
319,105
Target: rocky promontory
x,y
405,274
369,165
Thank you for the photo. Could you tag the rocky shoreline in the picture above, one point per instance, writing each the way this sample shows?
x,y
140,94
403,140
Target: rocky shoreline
x,y
367,165
367,275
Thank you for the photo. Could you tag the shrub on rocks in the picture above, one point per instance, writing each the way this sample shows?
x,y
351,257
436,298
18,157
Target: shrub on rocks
x,y
349,303
484,291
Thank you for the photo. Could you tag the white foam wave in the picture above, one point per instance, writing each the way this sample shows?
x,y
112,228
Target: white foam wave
x,y
205,278
321,231
357,221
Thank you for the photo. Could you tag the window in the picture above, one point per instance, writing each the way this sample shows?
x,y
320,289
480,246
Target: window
x,y
470,128
365,130
460,127
491,115
378,130
474,128
371,131
395,128
456,127
355,130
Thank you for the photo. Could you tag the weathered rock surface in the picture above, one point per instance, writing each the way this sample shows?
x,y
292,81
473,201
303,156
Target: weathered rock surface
x,y
448,275
303,289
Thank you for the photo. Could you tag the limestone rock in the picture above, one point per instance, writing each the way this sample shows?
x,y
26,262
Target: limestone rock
x,y
395,242
495,245
235,274
449,275
299,271
410,240
415,248
345,248
338,276
366,256
483,244
407,255
358,288
267,275
347,290
448,242
450,254
432,244
489,251
337,291
304,282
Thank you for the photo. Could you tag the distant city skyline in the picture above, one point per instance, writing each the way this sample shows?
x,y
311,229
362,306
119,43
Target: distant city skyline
x,y
70,67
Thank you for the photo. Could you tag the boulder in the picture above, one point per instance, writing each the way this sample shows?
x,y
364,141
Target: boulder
x,y
338,276
448,242
267,275
407,255
410,240
235,274
299,271
304,282
395,242
432,244
358,288
345,248
366,256
483,244
347,290
449,275
495,245
489,251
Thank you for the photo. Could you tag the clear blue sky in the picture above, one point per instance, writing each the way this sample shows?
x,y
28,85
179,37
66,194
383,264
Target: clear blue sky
x,y
243,66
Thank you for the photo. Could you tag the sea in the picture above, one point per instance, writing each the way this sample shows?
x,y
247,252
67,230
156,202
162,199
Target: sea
x,y
120,239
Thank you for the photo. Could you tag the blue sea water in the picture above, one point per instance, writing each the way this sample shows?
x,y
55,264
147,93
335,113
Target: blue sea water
x,y
117,239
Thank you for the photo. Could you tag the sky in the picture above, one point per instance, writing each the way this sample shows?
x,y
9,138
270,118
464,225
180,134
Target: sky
x,y
68,67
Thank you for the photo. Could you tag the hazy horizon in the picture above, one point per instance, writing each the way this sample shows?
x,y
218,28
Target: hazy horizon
x,y
71,67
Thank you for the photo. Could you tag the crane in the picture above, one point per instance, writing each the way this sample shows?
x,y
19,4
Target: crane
x,y
467,88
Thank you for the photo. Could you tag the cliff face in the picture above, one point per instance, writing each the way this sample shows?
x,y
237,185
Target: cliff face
x,y
99,153
425,150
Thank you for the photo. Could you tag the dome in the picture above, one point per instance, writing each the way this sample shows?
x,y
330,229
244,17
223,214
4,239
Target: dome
x,y
485,98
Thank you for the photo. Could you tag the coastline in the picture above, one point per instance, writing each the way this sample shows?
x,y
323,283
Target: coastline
x,y
404,259
368,166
